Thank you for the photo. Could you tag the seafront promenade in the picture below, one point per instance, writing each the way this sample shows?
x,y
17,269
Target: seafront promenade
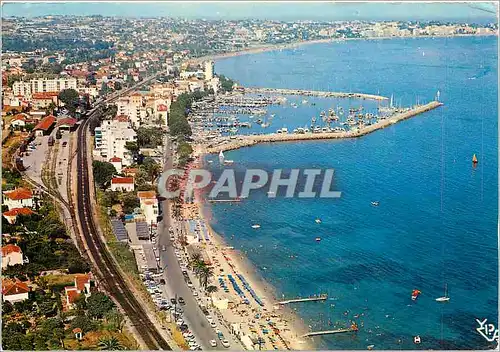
x,y
246,141
312,93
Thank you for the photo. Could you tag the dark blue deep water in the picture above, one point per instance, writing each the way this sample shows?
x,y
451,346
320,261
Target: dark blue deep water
x,y
437,219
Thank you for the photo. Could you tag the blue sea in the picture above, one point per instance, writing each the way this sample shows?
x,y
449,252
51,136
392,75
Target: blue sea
x,y
436,223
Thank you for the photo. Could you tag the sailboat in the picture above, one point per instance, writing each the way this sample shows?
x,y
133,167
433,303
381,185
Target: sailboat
x,y
221,157
445,298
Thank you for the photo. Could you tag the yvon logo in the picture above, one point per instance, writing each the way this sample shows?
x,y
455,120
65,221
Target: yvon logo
x,y
488,331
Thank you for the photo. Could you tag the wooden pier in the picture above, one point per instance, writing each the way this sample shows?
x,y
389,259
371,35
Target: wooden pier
x,y
306,299
330,332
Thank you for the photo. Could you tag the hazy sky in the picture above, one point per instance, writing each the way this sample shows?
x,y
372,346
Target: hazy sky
x,y
470,12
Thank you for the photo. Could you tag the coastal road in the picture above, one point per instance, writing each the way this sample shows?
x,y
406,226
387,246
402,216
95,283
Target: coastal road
x,y
174,279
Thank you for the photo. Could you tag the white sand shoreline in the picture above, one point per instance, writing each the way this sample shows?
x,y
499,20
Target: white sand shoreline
x,y
264,290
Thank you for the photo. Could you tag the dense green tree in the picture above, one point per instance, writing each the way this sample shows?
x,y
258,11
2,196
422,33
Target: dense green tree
x,y
103,172
84,323
70,98
78,265
152,169
25,306
115,320
81,304
130,202
184,151
47,307
17,341
98,304
7,307
149,137
226,84
132,147
53,330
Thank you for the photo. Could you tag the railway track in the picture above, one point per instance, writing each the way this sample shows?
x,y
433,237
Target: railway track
x,y
111,277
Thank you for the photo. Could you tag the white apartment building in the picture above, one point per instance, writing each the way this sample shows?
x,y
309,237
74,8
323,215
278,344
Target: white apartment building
x,y
42,85
110,140
209,70
131,106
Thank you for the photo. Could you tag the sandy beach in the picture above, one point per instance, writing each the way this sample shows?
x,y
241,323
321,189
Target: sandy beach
x,y
265,48
253,319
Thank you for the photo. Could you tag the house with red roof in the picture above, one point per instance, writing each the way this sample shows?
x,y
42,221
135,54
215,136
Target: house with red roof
x,y
82,285
124,184
149,206
11,215
18,198
20,120
45,126
122,118
14,290
42,100
117,163
11,255
66,123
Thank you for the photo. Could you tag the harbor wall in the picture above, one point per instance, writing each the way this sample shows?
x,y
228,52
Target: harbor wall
x,y
247,141
312,93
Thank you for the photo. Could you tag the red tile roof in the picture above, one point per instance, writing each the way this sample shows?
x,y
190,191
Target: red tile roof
x,y
162,107
10,287
122,118
79,73
10,248
122,180
146,194
45,123
21,117
18,194
71,293
44,95
81,280
70,121
115,159
18,211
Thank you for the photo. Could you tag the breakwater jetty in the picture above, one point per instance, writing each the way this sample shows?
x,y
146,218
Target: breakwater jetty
x,y
311,93
330,332
321,297
236,142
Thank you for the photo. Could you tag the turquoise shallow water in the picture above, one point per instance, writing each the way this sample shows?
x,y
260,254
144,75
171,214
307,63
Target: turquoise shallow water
x,y
437,219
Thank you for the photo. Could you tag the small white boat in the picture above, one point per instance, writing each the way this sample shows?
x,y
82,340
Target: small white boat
x,y
318,221
228,162
375,203
416,339
256,226
445,298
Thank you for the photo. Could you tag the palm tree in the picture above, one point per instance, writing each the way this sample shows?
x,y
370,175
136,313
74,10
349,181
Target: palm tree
x,y
211,289
110,343
205,273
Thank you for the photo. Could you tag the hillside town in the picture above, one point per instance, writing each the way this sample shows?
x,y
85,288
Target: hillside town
x,y
133,85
